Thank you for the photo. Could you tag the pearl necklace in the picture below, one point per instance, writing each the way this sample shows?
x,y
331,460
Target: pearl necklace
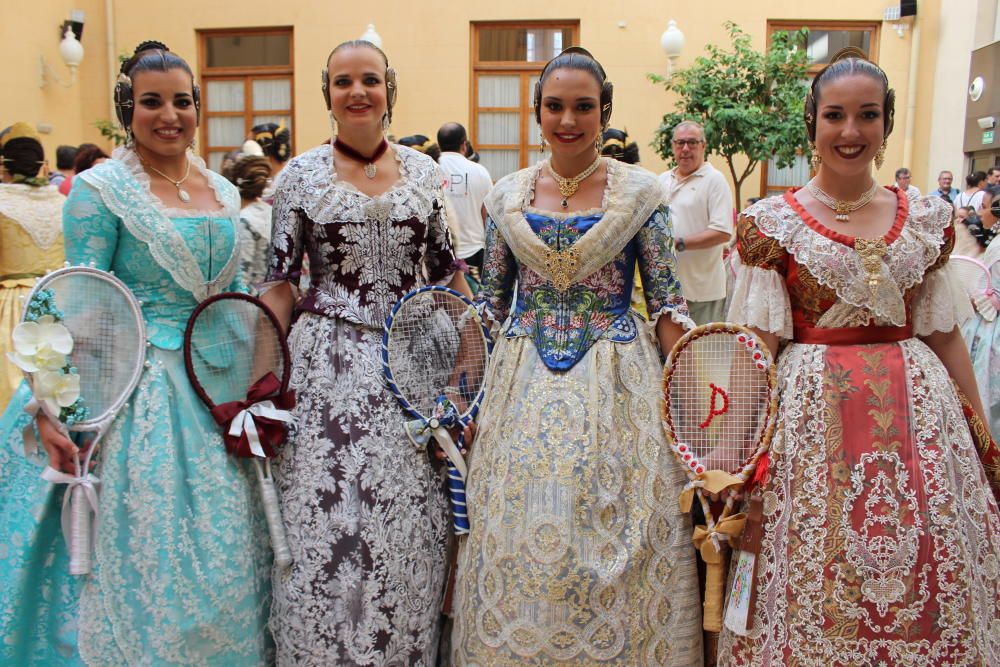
x,y
841,208
182,194
569,186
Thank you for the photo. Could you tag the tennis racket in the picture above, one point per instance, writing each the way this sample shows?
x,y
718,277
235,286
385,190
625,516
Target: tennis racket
x,y
105,351
720,405
435,353
238,362
974,276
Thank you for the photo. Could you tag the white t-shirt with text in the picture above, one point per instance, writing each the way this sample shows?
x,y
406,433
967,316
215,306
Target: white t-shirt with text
x,y
466,186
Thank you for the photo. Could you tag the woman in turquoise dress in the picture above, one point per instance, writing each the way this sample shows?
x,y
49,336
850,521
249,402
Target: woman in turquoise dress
x,y
181,556
578,552
981,331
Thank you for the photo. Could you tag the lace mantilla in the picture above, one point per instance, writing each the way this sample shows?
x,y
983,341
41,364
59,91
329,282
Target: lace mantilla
x,y
841,268
309,184
38,211
124,188
631,196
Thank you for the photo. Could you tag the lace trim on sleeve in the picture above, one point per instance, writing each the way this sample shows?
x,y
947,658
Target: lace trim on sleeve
x,y
760,300
677,315
941,303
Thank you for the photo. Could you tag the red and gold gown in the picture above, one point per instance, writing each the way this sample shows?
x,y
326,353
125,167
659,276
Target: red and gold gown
x,y
881,535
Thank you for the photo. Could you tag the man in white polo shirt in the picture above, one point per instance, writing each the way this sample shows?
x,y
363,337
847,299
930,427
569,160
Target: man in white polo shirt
x,y
701,209
465,189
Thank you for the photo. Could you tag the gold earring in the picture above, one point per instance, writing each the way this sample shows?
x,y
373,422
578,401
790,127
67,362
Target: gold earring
x,y
333,126
880,156
814,160
541,145
385,122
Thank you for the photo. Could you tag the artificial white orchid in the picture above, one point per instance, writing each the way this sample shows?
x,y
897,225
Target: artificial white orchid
x,y
41,345
56,390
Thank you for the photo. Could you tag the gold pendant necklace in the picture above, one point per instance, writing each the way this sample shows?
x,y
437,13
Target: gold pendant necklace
x,y
182,194
569,186
842,209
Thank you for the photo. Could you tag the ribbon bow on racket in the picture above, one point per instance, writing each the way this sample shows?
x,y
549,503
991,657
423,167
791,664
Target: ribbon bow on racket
x,y
88,483
257,425
445,416
712,481
707,539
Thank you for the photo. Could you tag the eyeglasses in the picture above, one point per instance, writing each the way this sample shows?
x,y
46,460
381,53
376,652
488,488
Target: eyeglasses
x,y
690,143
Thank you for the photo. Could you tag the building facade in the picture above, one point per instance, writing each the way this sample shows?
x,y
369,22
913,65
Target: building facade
x,y
475,62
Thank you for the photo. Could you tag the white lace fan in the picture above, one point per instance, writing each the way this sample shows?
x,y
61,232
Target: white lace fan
x,y
975,277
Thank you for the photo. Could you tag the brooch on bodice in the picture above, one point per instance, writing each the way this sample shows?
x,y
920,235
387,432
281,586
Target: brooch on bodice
x,y
872,252
561,266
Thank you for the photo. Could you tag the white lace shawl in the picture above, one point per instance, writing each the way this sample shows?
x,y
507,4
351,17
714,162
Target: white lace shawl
x,y
760,297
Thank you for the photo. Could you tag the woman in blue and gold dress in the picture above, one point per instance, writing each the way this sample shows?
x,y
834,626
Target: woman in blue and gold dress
x,y
181,555
578,553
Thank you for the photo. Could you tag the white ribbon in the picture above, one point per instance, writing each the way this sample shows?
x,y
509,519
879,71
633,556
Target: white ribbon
x,y
243,422
88,482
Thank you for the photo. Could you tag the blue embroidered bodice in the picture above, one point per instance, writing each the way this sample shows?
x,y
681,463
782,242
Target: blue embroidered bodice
x,y
564,325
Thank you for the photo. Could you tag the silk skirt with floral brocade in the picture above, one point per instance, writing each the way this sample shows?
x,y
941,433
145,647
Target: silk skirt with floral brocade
x,y
578,552
365,511
881,535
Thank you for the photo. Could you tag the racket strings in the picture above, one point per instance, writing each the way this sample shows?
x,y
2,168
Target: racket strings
x,y
718,401
108,345
436,347
233,344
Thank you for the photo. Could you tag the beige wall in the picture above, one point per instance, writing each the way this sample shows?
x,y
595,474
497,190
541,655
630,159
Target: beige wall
x,y
428,43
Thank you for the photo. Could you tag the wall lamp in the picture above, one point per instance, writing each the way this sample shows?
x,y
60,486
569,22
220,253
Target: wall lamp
x,y
672,43
70,50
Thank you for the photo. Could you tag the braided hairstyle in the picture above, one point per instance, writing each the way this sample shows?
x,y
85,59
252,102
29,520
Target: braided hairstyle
x,y
422,143
22,158
250,174
615,144
848,62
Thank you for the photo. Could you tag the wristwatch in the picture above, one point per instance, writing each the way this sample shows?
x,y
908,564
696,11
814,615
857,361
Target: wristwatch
x,y
679,244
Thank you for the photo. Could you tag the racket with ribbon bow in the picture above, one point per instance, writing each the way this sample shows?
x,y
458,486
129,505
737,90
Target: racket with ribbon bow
x,y
81,343
237,360
435,353
720,406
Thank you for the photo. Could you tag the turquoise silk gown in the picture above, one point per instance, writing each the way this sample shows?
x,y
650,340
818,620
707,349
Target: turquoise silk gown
x,y
181,559
578,552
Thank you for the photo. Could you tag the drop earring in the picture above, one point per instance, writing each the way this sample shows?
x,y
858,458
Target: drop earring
x,y
880,156
333,126
814,159
385,122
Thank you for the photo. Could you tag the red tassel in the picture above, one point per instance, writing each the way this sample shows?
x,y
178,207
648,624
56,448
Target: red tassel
x,y
760,474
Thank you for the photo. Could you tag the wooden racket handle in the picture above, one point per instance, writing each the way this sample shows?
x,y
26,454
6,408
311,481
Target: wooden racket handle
x,y
79,554
715,584
272,512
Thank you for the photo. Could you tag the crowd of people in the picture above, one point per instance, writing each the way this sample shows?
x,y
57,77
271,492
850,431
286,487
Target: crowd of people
x,y
880,535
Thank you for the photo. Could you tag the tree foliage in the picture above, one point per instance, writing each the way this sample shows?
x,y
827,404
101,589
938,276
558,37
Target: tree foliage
x,y
750,103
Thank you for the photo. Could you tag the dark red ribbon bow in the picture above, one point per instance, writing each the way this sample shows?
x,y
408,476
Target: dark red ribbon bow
x,y
270,431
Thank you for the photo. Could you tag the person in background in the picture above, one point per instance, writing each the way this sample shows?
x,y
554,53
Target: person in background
x,y
31,241
701,208
993,176
903,178
65,155
422,143
470,152
87,155
249,170
944,189
972,196
615,145
466,186
982,332
276,142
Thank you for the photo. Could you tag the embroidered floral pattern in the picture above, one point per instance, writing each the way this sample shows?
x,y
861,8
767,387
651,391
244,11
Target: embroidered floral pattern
x,y
881,534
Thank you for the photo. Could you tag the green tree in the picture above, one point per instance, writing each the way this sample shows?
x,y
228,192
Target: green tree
x,y
750,103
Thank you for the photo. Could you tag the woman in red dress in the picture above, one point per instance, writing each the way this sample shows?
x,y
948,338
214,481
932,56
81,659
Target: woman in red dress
x,y
881,541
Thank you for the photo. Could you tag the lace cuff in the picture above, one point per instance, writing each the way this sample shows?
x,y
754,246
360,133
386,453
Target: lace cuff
x,y
677,315
941,303
760,300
